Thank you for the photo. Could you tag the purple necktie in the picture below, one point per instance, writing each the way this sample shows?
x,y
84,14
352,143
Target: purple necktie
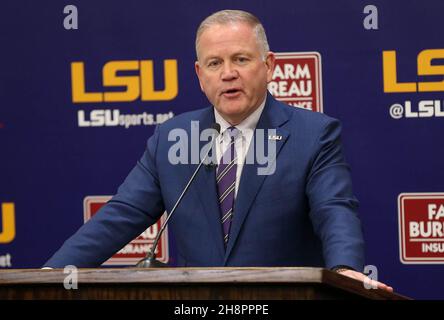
x,y
226,183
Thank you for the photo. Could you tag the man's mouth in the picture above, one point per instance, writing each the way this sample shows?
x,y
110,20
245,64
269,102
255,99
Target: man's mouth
x,y
232,92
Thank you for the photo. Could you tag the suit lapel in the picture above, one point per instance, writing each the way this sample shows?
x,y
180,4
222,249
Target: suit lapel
x,y
272,117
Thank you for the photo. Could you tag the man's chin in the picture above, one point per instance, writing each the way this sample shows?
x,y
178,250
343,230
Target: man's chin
x,y
231,110
232,106
233,114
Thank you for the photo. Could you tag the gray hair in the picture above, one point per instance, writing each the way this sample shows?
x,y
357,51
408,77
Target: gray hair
x,y
235,16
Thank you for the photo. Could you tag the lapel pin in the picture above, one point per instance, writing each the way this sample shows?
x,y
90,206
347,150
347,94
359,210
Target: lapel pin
x,y
274,137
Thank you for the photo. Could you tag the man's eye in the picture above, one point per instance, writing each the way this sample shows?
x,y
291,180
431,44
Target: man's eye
x,y
242,59
213,63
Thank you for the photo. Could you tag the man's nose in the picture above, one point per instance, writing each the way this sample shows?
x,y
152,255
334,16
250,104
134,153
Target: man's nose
x,y
229,72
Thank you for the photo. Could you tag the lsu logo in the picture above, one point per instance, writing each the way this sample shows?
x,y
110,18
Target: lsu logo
x,y
135,86
425,68
7,233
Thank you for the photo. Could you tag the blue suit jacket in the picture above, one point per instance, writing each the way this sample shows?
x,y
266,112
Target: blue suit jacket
x,y
304,214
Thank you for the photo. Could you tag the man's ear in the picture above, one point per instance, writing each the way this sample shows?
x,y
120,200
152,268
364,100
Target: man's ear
x,y
198,73
269,62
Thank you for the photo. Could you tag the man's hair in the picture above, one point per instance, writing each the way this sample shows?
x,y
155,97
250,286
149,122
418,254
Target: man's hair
x,y
235,16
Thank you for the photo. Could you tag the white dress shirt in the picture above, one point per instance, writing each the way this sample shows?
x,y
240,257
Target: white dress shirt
x,y
243,139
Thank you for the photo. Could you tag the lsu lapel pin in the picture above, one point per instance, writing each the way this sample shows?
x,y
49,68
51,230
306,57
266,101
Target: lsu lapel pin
x,y
274,137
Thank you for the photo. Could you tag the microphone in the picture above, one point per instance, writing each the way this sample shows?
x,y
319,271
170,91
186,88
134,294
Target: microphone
x,y
150,260
210,165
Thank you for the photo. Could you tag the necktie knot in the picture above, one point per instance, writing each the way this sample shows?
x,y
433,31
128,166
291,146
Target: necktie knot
x,y
233,132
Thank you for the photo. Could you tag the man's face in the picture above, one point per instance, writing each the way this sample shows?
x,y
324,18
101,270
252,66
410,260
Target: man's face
x,y
231,70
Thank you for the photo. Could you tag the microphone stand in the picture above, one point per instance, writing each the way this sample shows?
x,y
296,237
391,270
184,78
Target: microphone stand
x,y
150,260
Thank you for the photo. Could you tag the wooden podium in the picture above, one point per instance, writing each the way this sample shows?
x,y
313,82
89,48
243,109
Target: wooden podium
x,y
186,284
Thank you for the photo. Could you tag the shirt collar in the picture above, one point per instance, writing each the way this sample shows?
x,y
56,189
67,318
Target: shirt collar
x,y
248,123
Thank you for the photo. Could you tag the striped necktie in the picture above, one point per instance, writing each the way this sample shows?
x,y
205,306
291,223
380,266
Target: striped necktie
x,y
226,183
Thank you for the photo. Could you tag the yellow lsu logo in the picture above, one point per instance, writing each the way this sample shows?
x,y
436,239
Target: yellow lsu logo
x,y
425,68
8,222
141,85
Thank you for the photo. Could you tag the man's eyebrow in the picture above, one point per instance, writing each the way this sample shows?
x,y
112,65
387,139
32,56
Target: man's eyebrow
x,y
242,53
211,57
236,54
206,59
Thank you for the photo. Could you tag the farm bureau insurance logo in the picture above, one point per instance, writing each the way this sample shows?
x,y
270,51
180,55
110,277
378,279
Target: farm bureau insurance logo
x,y
139,247
123,81
297,80
431,75
421,228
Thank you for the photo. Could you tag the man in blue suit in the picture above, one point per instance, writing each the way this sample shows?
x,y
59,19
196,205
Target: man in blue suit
x,y
300,211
